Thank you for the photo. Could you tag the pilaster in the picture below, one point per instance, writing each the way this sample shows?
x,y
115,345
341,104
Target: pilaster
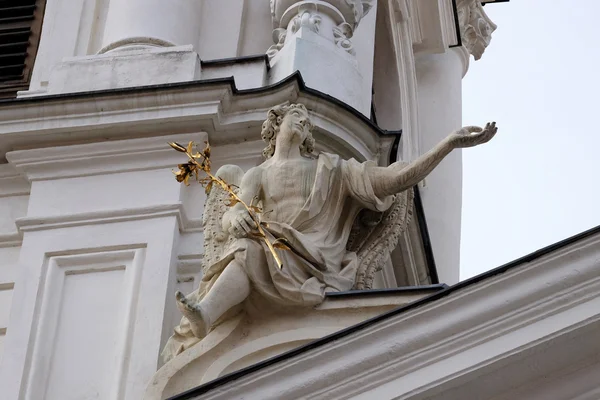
x,y
143,24
97,268
116,44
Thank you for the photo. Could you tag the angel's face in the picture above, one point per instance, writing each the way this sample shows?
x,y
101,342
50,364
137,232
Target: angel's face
x,y
295,125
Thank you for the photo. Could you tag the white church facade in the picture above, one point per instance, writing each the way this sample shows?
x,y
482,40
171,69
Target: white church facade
x,y
97,236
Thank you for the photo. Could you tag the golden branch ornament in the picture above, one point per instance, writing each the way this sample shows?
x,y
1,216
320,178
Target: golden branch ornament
x,y
200,161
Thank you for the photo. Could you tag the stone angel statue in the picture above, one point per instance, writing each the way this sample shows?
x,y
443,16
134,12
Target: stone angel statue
x,y
339,217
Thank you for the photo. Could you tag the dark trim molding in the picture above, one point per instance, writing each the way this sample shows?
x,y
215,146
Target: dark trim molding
x,y
483,3
296,77
456,25
238,60
422,222
392,291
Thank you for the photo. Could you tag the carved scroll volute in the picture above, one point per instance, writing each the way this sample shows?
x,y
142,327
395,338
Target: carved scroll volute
x,y
333,20
475,27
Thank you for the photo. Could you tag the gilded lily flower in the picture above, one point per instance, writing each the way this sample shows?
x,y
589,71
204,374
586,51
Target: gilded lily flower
x,y
184,173
201,161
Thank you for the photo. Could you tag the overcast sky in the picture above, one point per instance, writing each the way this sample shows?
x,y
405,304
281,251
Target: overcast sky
x,y
536,182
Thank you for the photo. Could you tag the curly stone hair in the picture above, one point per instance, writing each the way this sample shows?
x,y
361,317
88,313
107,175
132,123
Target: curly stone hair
x,y
270,129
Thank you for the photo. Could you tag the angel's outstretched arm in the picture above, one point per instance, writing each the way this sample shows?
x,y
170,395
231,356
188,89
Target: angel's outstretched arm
x,y
399,177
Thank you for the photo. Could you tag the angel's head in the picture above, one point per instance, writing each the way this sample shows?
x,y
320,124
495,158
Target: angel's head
x,y
288,122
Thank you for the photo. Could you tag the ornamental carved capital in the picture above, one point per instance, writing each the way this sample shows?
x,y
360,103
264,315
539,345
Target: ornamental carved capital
x,y
334,20
475,26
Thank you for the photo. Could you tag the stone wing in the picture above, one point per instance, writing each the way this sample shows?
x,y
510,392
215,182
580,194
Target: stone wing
x,y
217,199
374,235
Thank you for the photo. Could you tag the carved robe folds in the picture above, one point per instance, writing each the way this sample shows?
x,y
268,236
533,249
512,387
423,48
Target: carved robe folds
x,y
318,232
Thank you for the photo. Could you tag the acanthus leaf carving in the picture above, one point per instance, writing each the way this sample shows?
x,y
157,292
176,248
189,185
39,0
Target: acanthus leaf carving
x,y
346,15
342,34
360,8
279,35
307,17
476,28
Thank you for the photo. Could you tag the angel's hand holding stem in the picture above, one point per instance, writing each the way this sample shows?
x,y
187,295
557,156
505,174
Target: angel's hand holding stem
x,y
242,223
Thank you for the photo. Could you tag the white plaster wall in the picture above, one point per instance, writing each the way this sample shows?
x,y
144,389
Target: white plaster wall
x,y
439,78
119,69
363,41
257,29
324,68
74,28
221,27
90,310
124,191
173,21
11,208
8,270
67,31
247,75
86,369
13,204
386,85
96,271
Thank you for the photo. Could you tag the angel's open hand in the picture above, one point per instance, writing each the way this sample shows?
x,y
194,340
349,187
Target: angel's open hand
x,y
470,136
242,224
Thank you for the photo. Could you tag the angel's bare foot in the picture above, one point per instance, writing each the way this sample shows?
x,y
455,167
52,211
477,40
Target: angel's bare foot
x,y
194,313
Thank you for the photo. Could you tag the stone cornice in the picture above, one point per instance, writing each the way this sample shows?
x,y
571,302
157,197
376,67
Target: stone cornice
x,y
100,158
12,183
186,224
216,106
473,328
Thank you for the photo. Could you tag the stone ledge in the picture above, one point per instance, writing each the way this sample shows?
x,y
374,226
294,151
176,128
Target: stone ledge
x,y
125,69
377,297
253,337
100,158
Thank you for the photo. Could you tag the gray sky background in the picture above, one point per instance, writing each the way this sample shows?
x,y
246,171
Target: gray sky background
x,y
536,182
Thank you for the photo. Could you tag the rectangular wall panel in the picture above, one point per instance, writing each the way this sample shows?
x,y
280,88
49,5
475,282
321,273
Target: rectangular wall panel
x,y
2,336
88,309
8,266
84,351
83,340
5,302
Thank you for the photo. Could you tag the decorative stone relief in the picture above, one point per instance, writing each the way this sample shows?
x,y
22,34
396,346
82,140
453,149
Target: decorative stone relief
x,y
342,16
475,27
307,17
342,34
300,225
279,35
360,8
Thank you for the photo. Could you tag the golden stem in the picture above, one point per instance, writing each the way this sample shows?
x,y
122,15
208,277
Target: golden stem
x,y
225,187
